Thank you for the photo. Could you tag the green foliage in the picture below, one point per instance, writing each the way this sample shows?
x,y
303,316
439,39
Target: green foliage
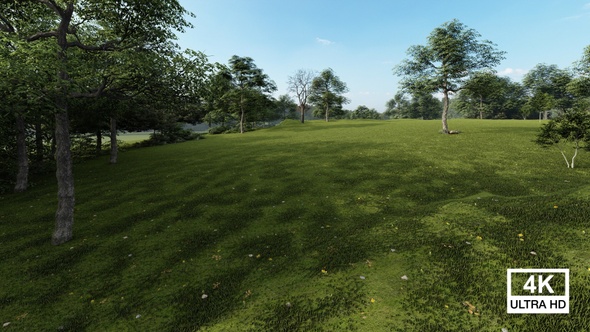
x,y
249,98
549,84
572,127
420,106
175,134
326,94
487,96
363,112
452,54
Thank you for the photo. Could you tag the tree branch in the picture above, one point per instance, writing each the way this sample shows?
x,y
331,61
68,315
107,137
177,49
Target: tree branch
x,y
107,46
41,35
93,94
6,27
53,6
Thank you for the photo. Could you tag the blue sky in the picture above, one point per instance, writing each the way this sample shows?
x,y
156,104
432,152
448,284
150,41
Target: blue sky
x,y
363,40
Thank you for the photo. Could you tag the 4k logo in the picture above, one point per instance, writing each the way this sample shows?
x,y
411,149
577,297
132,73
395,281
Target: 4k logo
x,y
545,291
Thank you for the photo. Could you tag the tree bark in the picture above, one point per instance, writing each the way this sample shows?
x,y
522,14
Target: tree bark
x,y
327,110
98,142
302,109
21,153
445,113
64,217
114,146
38,141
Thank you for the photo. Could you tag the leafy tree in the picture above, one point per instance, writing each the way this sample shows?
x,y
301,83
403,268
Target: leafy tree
x,y
485,95
300,84
418,105
397,107
87,26
569,128
549,82
452,54
580,85
327,93
220,84
286,107
252,87
363,112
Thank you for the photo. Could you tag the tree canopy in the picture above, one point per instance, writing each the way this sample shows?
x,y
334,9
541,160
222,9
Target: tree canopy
x,y
327,92
452,54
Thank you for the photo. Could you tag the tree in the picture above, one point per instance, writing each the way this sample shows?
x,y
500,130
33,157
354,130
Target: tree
x,y
88,26
398,106
327,92
251,85
452,54
552,82
571,127
363,112
286,108
419,105
580,85
486,95
300,85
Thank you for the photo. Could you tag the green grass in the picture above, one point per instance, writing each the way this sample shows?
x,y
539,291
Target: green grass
x,y
304,228
133,137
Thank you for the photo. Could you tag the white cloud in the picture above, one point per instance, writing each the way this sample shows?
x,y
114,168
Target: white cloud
x,y
512,72
324,42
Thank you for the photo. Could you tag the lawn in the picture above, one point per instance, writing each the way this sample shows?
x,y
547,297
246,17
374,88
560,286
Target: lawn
x,y
348,225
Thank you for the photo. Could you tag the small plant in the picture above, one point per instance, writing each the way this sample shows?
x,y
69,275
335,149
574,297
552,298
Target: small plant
x,y
570,128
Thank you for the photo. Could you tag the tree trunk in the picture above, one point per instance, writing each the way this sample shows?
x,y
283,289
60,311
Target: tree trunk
x,y
53,146
114,146
64,217
21,153
445,113
38,141
242,114
98,142
242,122
327,110
302,109
480,107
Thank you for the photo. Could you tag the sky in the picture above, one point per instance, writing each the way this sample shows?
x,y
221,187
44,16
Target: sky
x,y
363,40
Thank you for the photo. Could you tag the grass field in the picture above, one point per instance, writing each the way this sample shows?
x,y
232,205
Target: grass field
x,y
133,137
341,226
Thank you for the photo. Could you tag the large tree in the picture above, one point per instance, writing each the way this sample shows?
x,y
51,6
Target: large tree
x,y
452,54
327,92
486,95
580,85
252,87
550,82
88,26
300,85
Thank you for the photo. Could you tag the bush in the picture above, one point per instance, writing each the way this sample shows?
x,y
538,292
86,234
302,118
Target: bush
x,y
174,135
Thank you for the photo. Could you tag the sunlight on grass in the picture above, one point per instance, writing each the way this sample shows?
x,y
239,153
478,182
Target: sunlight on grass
x,y
348,225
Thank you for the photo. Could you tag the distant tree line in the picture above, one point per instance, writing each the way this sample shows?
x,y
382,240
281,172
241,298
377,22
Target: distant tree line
x,y
456,63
